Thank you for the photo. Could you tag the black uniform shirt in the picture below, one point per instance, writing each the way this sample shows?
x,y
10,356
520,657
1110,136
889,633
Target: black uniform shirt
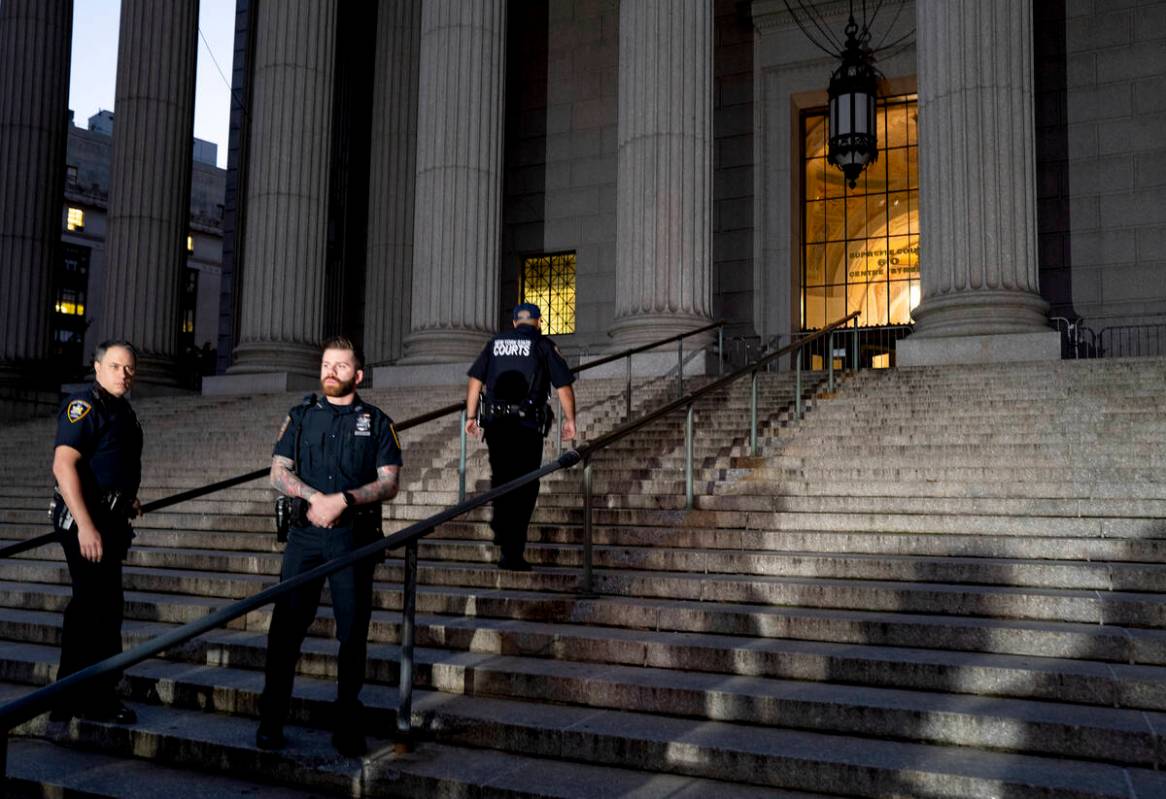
x,y
521,364
105,430
341,446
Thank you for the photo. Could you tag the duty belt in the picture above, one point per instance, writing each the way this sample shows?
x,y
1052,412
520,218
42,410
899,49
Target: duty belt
x,y
516,410
109,504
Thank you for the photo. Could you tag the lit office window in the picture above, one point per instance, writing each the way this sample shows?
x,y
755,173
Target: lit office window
x,y
69,303
70,290
860,247
549,282
75,219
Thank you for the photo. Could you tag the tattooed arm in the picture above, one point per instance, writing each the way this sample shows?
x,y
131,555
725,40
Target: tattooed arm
x,y
384,487
326,509
284,480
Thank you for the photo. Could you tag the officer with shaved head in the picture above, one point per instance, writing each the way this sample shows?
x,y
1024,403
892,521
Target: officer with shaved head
x,y
97,463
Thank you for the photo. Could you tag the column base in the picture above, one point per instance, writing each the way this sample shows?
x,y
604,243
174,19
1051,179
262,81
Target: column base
x,y
158,375
981,313
643,328
263,357
443,346
1001,348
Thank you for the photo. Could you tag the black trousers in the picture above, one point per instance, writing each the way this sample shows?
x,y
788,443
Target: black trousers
x,y
92,624
515,449
351,589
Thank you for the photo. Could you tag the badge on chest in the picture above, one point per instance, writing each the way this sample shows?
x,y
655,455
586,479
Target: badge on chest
x,y
363,425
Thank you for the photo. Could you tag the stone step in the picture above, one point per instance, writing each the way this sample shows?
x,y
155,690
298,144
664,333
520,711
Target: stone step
x,y
950,570
835,472
709,539
716,511
1077,575
1056,624
1124,736
1078,682
39,768
757,756
217,753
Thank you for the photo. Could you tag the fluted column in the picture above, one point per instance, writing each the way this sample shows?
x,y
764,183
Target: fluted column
x,y
285,237
977,185
149,193
392,178
35,38
664,195
457,228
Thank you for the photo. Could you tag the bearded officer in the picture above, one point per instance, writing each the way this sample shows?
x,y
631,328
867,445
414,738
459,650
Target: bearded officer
x,y
509,385
339,458
97,464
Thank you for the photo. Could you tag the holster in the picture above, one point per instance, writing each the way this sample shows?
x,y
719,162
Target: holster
x,y
112,507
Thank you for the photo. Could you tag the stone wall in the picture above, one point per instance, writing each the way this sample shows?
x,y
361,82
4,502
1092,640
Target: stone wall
x,y
733,167
1115,114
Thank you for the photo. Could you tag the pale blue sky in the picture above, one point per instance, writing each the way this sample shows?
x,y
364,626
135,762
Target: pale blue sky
x,y
94,68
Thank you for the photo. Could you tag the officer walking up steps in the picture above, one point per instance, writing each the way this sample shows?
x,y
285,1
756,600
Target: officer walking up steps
x,y
338,458
97,463
516,368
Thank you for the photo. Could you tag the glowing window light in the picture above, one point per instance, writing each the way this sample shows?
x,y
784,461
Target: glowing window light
x,y
549,282
75,219
70,308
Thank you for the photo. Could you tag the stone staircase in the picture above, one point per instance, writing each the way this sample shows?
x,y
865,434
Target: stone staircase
x,y
943,582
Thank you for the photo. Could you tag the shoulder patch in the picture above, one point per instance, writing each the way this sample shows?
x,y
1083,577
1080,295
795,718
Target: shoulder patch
x,y
77,410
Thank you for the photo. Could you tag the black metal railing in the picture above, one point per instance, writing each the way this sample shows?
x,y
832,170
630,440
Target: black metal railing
x,y
1132,341
876,348
1079,341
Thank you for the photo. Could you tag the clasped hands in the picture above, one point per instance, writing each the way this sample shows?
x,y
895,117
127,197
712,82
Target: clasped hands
x,y
325,509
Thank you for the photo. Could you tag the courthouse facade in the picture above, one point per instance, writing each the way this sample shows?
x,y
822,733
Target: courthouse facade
x,y
406,171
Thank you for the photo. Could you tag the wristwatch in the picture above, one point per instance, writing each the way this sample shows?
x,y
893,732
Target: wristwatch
x,y
349,500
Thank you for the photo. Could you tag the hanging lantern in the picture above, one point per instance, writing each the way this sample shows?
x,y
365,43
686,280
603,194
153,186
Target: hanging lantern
x,y
853,97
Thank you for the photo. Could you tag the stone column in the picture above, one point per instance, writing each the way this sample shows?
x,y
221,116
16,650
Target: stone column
x,y
977,186
35,38
392,178
664,196
457,228
149,192
285,232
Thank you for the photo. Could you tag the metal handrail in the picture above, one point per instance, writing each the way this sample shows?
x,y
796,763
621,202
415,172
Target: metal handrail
x,y
586,450
42,699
